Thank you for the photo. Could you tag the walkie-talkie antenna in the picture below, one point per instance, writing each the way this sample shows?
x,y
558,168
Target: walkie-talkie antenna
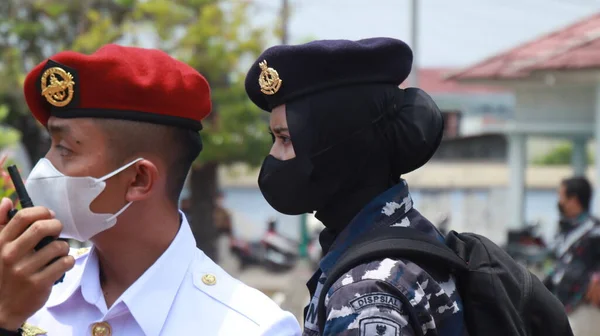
x,y
20,187
26,202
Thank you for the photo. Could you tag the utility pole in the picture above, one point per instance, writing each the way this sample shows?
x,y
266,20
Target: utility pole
x,y
414,41
285,15
303,219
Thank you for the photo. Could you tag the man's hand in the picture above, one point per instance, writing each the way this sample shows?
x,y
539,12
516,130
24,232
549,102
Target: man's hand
x,y
593,292
26,279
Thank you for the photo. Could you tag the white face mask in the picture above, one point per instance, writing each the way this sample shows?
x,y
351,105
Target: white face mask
x,y
70,198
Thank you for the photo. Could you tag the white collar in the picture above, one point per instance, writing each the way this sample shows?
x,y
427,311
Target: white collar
x,y
150,297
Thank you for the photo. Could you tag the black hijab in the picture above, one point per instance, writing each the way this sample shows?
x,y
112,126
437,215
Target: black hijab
x,y
356,141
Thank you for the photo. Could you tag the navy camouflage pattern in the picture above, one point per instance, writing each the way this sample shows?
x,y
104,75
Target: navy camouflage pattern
x,y
365,300
577,252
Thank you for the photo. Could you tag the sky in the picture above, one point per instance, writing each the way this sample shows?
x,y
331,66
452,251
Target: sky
x,y
452,33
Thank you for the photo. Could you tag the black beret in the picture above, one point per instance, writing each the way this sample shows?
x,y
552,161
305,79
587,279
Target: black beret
x,y
286,72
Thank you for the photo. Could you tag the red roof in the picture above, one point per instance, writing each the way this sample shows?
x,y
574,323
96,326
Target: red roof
x,y
574,47
433,81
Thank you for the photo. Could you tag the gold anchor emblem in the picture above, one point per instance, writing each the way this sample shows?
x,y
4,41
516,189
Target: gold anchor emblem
x,y
29,330
268,79
57,86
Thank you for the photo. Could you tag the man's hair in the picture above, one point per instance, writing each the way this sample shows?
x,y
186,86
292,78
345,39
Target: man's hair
x,y
177,147
580,188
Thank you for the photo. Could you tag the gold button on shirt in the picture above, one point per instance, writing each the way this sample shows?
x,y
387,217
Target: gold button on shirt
x,y
101,329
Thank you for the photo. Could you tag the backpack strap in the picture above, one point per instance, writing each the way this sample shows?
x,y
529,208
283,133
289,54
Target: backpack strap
x,y
391,242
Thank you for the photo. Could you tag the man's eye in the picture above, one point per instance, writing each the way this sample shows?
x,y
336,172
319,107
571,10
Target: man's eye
x,y
62,150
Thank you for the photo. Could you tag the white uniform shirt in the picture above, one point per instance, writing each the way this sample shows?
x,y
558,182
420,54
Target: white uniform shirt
x,y
183,293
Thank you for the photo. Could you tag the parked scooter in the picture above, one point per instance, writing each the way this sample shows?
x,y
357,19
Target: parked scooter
x,y
527,246
247,253
273,251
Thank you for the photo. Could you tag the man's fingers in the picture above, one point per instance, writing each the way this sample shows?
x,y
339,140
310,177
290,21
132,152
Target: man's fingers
x,y
54,271
22,220
36,232
35,262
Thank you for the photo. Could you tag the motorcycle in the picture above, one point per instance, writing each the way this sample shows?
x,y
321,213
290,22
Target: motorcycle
x,y
527,246
248,253
273,251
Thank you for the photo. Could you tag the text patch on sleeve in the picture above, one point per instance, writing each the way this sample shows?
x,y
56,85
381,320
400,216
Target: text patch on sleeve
x,y
379,326
376,299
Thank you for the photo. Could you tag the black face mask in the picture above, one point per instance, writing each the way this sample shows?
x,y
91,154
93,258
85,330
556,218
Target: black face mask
x,y
561,209
287,187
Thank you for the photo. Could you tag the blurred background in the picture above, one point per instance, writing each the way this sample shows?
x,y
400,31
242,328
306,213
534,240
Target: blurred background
x,y
518,82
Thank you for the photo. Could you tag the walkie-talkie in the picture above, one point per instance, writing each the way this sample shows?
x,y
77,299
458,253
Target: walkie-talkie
x,y
26,202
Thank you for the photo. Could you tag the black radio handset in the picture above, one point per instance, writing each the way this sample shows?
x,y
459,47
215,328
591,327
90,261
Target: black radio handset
x,y
26,202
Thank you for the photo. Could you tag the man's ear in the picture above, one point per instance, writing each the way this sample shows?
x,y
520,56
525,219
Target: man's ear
x,y
142,183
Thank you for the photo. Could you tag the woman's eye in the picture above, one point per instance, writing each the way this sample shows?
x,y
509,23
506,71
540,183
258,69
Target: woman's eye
x,y
285,140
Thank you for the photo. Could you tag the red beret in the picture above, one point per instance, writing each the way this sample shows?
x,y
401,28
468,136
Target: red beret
x,y
119,83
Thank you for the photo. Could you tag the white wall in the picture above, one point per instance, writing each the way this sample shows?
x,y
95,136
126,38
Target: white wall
x,y
555,104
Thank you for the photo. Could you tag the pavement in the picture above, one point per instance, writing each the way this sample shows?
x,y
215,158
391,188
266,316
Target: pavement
x,y
288,289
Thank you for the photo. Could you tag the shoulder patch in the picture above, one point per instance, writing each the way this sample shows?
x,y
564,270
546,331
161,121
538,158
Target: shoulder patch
x,y
249,302
379,326
376,299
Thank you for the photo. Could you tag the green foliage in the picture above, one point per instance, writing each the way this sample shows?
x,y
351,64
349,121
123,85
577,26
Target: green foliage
x,y
239,133
8,135
561,155
217,39
6,188
31,31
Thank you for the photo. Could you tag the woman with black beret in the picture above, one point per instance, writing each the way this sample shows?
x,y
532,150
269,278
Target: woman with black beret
x,y
343,135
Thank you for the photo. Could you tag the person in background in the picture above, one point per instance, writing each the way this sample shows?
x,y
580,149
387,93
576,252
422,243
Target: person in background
x,y
574,278
222,217
272,225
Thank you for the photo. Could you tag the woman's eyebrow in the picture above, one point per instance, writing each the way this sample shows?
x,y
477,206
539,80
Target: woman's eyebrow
x,y
280,129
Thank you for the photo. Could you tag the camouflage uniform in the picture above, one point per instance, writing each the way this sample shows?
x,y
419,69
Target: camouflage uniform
x,y
578,256
366,300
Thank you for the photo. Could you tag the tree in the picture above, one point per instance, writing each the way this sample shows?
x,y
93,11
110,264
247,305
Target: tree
x,y
8,136
31,31
215,37
561,155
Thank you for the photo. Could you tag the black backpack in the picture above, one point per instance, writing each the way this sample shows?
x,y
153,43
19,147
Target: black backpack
x,y
500,297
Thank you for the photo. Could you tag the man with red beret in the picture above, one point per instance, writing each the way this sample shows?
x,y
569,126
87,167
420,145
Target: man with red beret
x,y
124,125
